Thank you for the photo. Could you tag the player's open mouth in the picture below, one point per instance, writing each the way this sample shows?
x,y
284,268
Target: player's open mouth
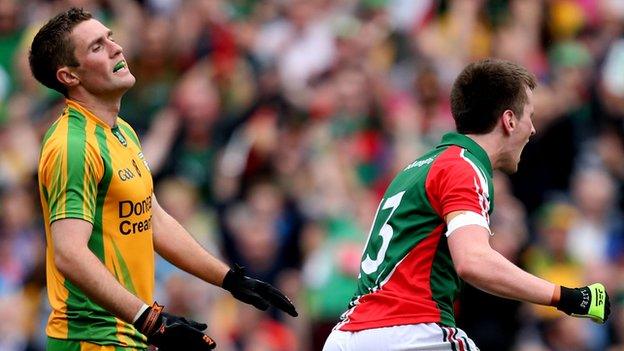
x,y
119,66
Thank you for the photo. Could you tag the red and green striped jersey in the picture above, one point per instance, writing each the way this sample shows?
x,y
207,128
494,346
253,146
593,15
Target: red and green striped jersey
x,y
90,171
406,273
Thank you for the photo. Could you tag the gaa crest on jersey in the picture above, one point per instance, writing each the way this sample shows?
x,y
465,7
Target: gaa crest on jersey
x,y
120,136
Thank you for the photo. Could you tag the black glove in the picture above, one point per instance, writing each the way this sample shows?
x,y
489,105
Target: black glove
x,y
168,332
255,292
588,302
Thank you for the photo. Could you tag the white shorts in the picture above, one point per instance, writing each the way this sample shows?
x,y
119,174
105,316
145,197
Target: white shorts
x,y
423,336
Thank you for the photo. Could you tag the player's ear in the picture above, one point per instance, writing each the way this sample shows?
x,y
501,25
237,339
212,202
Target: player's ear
x,y
67,77
508,121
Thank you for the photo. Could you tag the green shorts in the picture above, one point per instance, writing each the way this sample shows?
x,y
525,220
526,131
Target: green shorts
x,y
71,345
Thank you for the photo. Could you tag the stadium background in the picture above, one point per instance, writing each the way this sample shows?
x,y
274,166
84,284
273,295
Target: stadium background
x,y
272,128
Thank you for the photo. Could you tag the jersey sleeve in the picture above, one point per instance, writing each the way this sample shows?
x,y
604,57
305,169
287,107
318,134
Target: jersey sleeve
x,y
456,184
70,173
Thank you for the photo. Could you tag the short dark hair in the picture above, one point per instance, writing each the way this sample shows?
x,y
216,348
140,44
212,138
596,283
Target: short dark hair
x,y
484,90
52,48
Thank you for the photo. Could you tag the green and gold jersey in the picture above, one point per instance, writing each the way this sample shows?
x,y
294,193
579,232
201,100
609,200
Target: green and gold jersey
x,y
92,172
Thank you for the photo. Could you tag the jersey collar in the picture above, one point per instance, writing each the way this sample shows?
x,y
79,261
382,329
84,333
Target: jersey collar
x,y
86,113
467,143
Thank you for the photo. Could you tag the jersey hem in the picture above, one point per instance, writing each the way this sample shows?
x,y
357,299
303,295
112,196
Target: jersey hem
x,y
390,322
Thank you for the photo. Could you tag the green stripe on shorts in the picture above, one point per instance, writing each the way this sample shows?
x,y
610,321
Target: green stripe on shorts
x,y
62,345
54,344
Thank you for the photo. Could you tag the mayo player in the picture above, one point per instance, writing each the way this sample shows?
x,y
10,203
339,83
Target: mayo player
x,y
431,231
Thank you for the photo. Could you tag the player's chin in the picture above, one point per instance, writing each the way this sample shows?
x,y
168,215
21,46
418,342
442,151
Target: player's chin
x,y
510,168
127,81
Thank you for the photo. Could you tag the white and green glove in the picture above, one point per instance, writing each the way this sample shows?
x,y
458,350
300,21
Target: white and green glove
x,y
587,302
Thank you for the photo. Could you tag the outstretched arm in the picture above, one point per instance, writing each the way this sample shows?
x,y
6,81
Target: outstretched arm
x,y
478,264
177,246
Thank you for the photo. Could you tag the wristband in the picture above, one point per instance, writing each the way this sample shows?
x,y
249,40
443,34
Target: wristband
x,y
150,319
139,313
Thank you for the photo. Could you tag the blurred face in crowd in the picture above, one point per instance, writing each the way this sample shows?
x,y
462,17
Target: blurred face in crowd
x,y
197,99
8,16
594,191
102,69
518,136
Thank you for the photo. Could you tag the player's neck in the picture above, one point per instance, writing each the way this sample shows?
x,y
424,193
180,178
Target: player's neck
x,y
491,145
106,109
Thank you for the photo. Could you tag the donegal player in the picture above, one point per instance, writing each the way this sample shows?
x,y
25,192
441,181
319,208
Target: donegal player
x,y
102,219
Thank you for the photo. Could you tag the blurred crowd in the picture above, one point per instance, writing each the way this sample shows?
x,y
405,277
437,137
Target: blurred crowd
x,y
272,128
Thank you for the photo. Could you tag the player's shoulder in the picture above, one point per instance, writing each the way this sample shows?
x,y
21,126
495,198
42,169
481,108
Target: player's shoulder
x,y
123,123
454,156
69,134
127,127
58,132
457,161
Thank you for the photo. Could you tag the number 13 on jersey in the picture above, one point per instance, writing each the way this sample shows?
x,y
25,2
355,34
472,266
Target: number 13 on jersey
x,y
369,264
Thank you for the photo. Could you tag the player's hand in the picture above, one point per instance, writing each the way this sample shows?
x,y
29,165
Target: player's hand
x,y
588,302
169,332
255,292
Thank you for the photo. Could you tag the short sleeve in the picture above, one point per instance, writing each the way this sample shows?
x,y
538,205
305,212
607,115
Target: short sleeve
x,y
457,184
70,173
